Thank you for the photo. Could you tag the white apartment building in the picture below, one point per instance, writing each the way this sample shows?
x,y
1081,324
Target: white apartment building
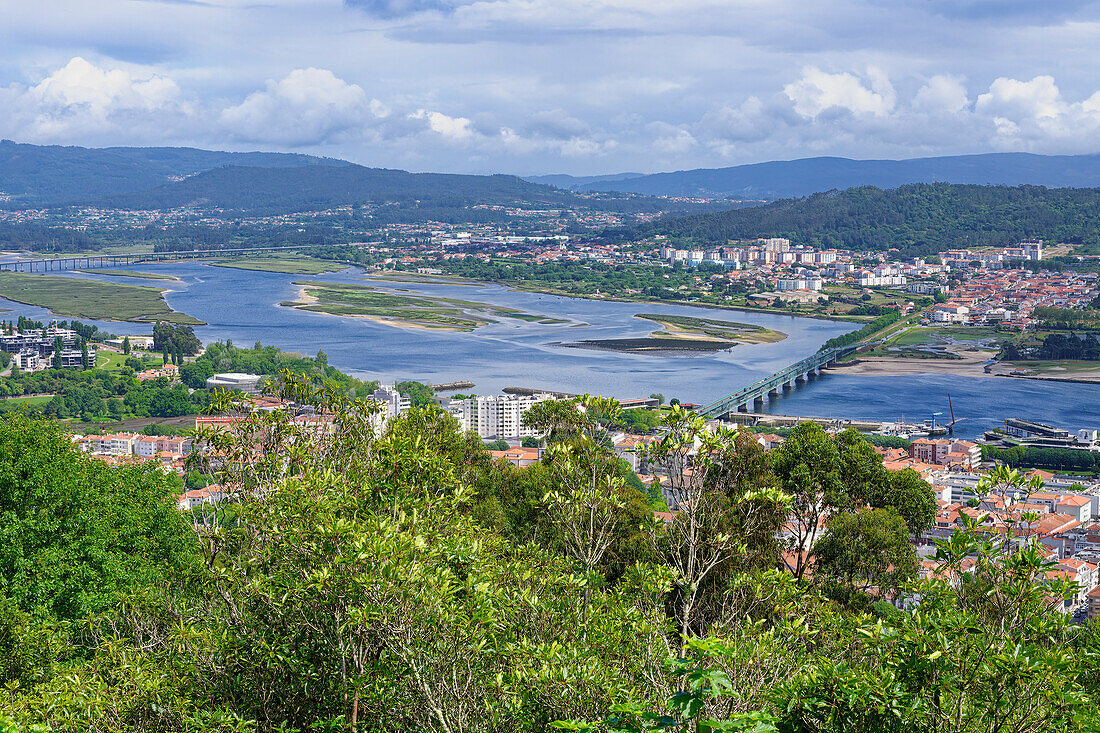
x,y
498,417
869,280
393,402
799,283
951,314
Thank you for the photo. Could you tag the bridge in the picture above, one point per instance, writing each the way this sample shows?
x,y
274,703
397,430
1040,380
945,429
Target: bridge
x,y
753,396
95,261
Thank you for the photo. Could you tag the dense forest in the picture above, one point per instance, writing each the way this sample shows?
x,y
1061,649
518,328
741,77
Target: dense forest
x,y
401,580
918,219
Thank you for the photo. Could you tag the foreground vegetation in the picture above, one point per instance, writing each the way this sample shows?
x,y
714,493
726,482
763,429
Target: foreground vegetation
x,y
82,298
393,581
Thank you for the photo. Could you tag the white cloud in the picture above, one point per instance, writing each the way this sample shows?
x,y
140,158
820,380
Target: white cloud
x,y
82,85
83,101
455,129
942,93
1037,98
306,107
818,91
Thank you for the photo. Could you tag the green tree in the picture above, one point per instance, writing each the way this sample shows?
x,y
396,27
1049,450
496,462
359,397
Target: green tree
x,y
58,346
125,344
869,549
417,392
77,533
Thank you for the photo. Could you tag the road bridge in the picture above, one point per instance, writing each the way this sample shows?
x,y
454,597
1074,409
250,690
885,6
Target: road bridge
x,y
752,396
97,261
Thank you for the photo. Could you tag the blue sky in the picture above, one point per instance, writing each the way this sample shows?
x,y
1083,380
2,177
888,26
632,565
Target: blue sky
x,y
542,86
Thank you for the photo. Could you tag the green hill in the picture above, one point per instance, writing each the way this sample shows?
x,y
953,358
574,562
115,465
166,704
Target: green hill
x,y
270,190
35,174
917,219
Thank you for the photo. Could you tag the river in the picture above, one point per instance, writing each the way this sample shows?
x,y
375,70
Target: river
x,y
242,305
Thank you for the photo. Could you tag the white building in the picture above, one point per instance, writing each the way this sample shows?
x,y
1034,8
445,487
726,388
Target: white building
x,y
499,417
869,280
247,383
393,402
799,283
951,314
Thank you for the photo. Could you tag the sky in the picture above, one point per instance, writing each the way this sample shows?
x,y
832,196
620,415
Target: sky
x,y
556,86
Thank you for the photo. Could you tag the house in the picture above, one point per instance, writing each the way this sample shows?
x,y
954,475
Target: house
x,y
517,456
194,498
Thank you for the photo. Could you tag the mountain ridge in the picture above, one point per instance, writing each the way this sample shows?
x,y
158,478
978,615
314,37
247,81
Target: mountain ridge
x,y
806,176
52,174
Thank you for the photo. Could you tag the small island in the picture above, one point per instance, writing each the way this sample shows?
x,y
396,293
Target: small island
x,y
684,335
406,311
131,273
701,329
290,264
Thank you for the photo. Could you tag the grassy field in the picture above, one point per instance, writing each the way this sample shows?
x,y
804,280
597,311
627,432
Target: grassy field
x,y
131,273
29,401
941,341
411,277
289,264
727,330
110,360
77,298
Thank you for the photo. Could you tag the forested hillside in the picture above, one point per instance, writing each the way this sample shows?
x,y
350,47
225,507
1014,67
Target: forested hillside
x,y
917,219
361,581
274,190
34,174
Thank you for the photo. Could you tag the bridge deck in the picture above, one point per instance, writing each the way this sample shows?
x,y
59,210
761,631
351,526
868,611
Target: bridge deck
x,y
761,387
87,261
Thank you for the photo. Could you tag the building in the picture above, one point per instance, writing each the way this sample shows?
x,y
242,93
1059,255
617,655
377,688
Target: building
x,y
498,417
34,349
520,457
247,383
945,452
391,400
948,313
799,283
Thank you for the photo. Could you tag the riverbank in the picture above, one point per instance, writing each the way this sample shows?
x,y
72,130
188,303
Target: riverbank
x,y
965,366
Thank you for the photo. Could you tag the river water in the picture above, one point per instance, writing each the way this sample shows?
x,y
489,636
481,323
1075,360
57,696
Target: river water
x,y
243,306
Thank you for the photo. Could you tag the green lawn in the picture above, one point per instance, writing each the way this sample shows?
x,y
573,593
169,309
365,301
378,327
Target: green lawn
x,y
79,298
110,360
29,401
